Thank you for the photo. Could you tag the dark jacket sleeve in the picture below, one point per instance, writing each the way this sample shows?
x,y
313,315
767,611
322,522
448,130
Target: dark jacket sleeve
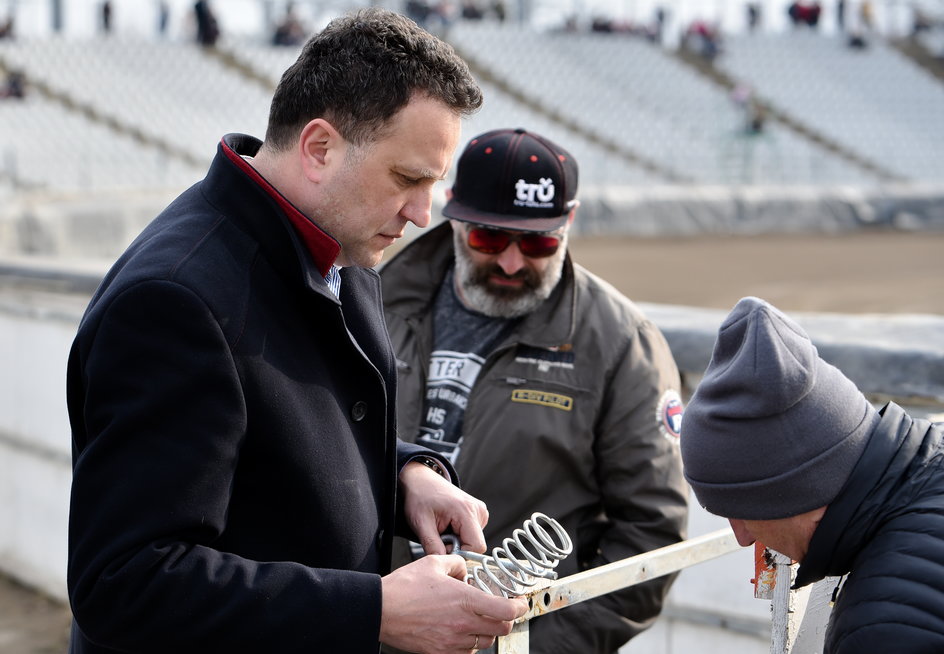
x,y
164,418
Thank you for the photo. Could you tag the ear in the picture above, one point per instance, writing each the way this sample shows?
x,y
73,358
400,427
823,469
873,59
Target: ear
x,y
449,194
319,145
573,213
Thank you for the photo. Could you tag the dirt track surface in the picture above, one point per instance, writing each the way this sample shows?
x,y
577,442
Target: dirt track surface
x,y
866,272
875,272
31,623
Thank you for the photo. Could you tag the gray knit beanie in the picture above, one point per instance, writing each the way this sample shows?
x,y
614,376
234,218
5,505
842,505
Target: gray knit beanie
x,y
772,430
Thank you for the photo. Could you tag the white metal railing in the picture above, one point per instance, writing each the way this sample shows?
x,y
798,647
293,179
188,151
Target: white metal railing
x,y
798,617
559,594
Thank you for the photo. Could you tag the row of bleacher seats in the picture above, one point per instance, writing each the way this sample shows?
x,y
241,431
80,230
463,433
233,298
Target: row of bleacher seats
x,y
873,101
165,89
647,101
44,146
933,41
625,91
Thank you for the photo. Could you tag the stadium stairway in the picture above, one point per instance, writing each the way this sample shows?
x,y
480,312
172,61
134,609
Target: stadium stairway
x,y
230,57
916,51
620,150
95,114
717,76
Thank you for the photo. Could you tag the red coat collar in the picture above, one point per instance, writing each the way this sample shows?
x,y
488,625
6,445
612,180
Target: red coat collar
x,y
323,248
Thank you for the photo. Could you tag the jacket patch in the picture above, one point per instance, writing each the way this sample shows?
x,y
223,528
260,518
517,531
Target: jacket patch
x,y
669,415
544,358
542,398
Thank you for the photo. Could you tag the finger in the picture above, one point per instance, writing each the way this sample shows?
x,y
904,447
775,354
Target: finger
x,y
454,566
482,512
485,642
499,609
432,544
428,535
471,535
469,527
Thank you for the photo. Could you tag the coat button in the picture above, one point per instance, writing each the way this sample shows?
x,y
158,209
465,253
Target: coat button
x,y
358,411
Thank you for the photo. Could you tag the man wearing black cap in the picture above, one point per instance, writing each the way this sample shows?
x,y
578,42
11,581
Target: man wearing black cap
x,y
792,453
547,389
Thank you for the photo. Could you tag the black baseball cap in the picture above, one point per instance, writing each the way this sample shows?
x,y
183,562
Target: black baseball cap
x,y
514,179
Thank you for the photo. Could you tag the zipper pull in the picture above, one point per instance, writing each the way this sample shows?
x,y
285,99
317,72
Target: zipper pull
x,y
515,381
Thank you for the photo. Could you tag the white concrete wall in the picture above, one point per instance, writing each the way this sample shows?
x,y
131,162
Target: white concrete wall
x,y
35,451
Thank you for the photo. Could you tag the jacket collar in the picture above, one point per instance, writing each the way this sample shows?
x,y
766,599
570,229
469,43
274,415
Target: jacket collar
x,y
864,503
323,248
422,265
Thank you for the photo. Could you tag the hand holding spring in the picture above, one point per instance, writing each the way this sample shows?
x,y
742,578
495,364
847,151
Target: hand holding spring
x,y
539,548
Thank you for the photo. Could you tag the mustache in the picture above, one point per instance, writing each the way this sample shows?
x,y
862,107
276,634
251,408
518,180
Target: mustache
x,y
497,271
482,274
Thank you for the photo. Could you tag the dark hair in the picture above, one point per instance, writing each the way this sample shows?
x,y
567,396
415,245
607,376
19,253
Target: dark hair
x,y
360,71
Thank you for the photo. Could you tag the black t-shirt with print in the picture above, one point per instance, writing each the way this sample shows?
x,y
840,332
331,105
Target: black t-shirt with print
x,y
462,340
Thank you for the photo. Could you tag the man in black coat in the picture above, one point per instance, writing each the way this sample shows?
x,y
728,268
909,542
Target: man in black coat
x,y
237,475
786,447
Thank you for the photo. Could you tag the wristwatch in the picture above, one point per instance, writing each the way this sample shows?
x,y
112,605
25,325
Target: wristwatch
x,y
432,464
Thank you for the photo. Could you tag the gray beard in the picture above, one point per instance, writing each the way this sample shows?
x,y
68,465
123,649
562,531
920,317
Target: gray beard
x,y
477,295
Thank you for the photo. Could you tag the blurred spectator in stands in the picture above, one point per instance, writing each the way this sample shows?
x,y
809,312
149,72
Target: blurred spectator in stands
x,y
920,21
15,85
658,30
163,17
289,31
704,39
841,15
802,14
866,17
500,11
857,41
753,16
471,10
442,14
753,112
601,24
815,11
418,11
106,17
6,28
756,117
208,29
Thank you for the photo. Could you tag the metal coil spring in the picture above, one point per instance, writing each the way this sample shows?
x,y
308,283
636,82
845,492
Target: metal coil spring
x,y
539,548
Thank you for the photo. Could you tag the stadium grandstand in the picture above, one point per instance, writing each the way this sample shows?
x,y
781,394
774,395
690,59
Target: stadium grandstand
x,y
798,110
688,118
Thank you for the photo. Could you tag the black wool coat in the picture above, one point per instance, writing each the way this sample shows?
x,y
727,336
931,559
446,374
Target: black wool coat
x,y
234,436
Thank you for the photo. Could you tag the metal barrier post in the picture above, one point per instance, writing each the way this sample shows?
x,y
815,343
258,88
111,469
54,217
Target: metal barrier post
x,y
798,617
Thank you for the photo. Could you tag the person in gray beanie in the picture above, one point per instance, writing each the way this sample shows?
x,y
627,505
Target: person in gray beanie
x,y
787,448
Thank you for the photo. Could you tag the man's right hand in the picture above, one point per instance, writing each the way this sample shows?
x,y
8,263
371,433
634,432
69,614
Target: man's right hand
x,y
428,608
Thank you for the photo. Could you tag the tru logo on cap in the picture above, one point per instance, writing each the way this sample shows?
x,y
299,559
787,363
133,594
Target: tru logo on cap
x,y
534,195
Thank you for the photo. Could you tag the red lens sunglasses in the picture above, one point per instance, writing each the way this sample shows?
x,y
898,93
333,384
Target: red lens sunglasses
x,y
489,240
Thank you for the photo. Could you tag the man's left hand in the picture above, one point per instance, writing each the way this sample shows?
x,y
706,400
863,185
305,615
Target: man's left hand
x,y
432,504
